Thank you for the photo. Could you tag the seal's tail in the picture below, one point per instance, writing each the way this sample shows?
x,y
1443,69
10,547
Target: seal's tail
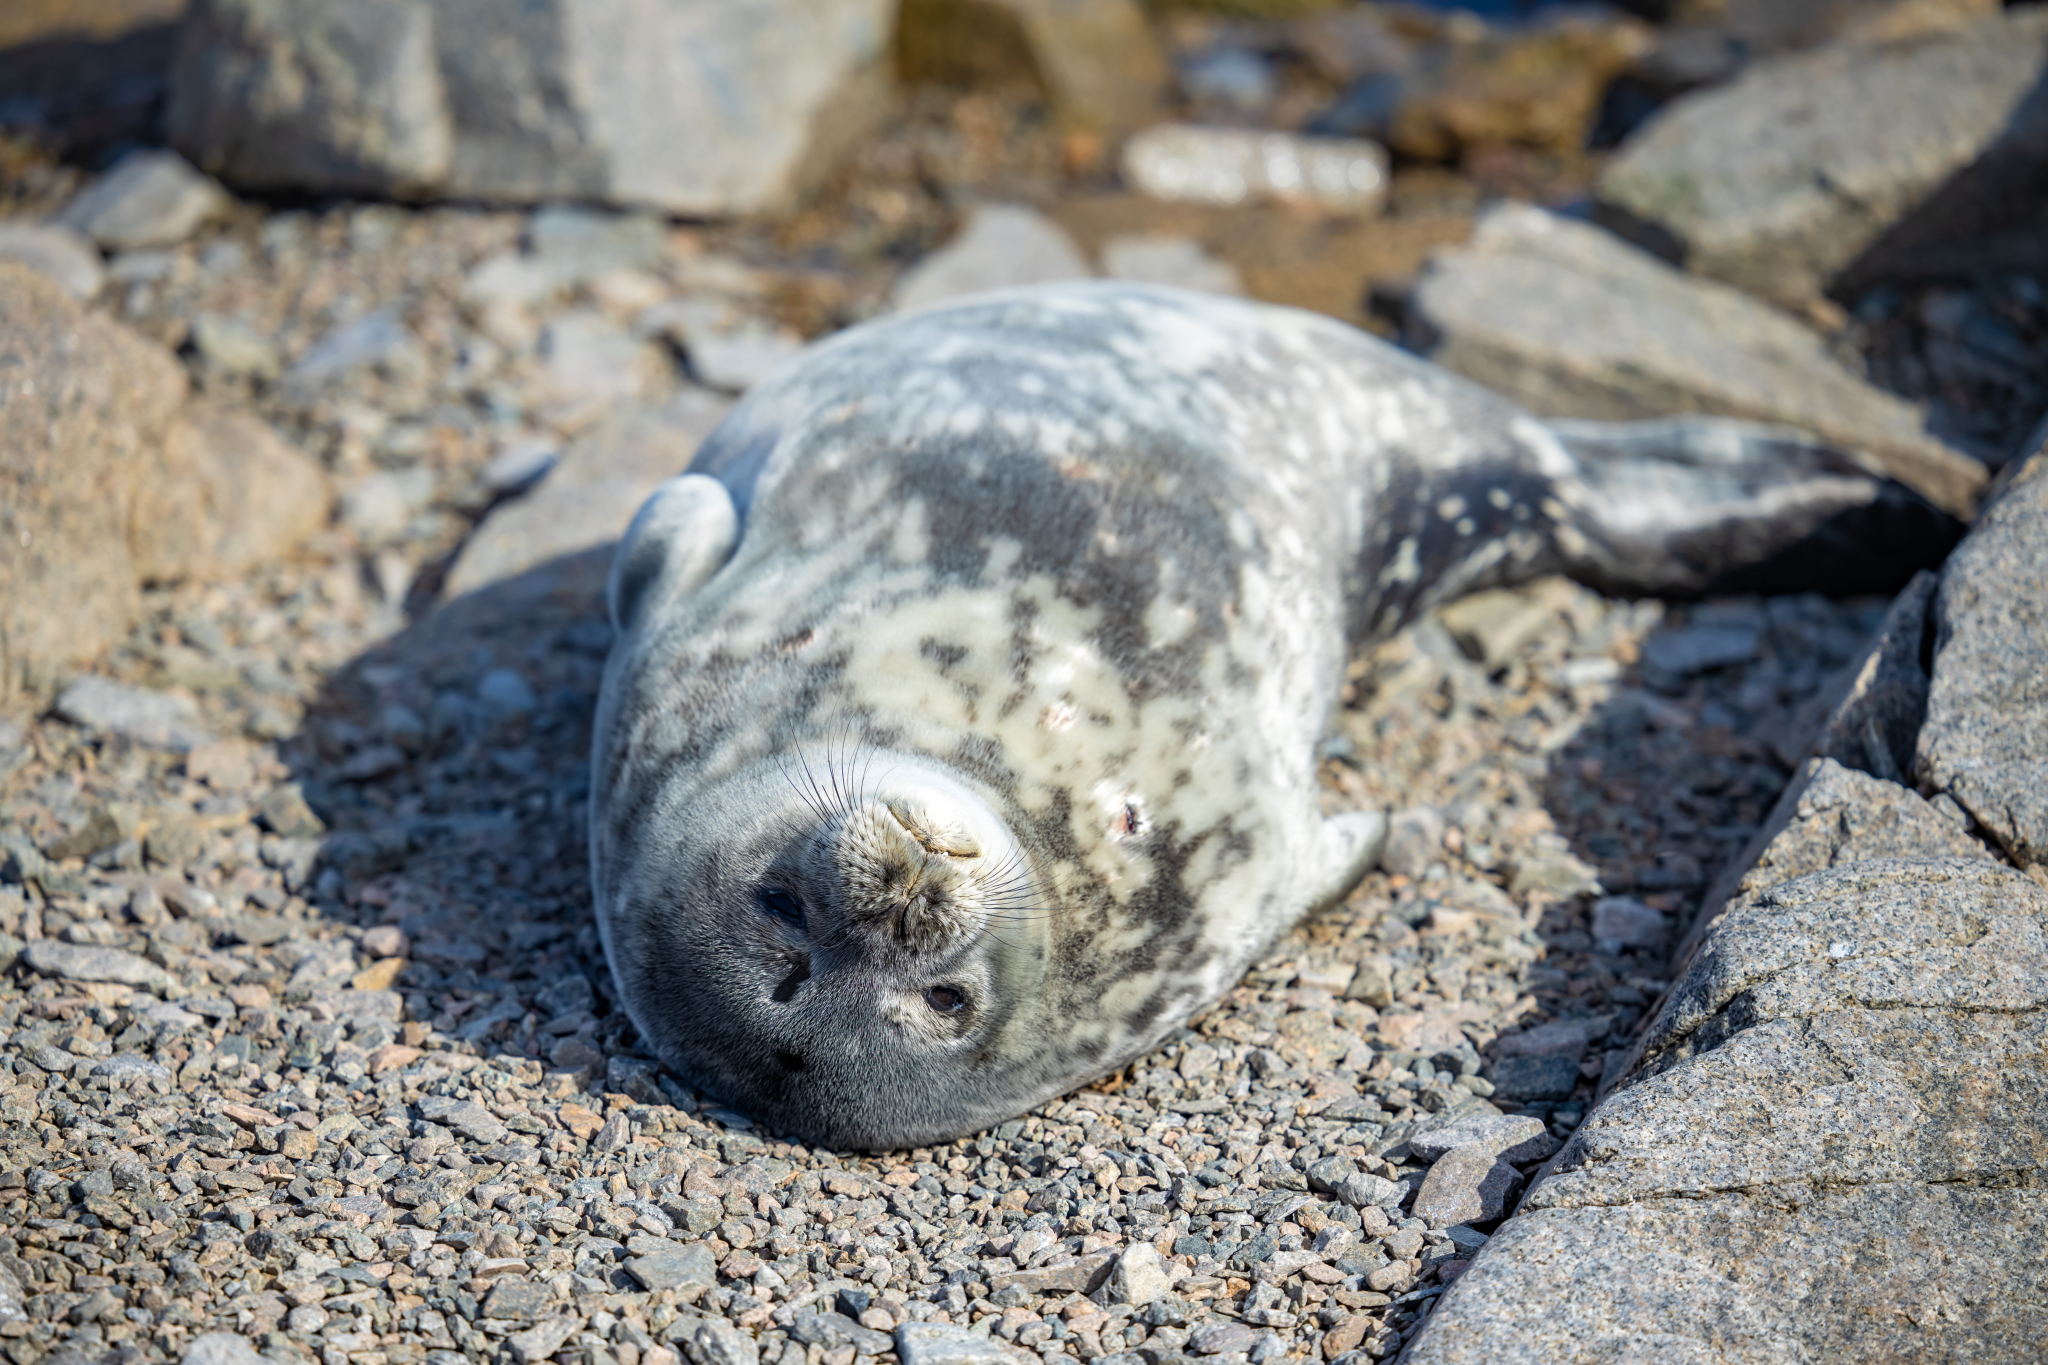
x,y
1696,505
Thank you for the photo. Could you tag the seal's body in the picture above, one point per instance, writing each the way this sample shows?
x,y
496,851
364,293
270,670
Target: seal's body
x,y
958,742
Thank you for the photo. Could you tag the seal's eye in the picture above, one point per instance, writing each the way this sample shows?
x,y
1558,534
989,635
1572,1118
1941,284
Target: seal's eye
x,y
946,999
784,906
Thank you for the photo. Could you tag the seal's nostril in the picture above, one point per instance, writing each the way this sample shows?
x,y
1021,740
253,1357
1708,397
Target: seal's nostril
x,y
930,836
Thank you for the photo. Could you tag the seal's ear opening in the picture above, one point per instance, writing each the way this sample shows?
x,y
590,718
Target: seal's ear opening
x,y
681,536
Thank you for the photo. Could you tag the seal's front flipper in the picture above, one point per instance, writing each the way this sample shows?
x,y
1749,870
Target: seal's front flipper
x,y
1349,846
681,536
1693,505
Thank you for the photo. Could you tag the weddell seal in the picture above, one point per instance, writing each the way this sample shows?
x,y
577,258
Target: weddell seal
x,y
958,739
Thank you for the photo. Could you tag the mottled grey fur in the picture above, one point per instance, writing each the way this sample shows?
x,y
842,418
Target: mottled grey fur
x,y
997,641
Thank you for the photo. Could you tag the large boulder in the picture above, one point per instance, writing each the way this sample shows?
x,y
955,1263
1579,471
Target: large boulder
x,y
1985,741
1095,62
109,478
1575,322
1827,1144
689,106
1856,162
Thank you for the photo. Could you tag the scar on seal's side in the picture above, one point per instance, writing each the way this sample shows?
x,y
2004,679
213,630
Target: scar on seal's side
x,y
958,740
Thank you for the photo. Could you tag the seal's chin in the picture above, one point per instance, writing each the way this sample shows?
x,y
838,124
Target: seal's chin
x,y
851,962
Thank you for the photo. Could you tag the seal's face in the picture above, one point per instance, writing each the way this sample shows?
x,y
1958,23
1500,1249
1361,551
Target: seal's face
x,y
842,957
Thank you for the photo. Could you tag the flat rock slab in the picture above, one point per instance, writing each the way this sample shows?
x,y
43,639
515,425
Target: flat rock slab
x,y
155,719
1001,246
557,539
1511,1137
1985,741
1575,322
1862,1273
1847,164
689,106
1466,1185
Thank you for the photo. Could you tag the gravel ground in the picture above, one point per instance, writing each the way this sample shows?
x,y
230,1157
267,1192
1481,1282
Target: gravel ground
x,y
304,1033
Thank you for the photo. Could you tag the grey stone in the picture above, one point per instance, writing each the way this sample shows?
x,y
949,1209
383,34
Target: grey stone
x,y
520,465
1795,1104
1628,923
1853,163
1082,1275
736,360
1415,839
1884,934
1491,626
506,690
1510,1137
512,1300
713,1341
1466,1185
1001,246
1841,1274
680,1266
1165,259
1828,817
1189,163
541,1340
1568,1036
12,1307
1549,1077
128,1066
84,962
222,1348
52,1058
1139,1277
1695,649
589,363
568,523
156,719
344,97
378,507
378,338
576,244
149,199
466,1117
1574,322
688,106
1362,1190
1219,1338
833,1330
1985,739
62,253
939,1343
232,348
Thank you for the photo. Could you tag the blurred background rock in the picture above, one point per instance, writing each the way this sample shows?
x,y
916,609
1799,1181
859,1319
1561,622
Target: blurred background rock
x,y
436,244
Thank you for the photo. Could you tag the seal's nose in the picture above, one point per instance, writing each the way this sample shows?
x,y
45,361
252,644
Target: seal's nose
x,y
904,870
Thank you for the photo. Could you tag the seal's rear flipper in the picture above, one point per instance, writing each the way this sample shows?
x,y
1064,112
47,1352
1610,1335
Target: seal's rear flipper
x,y
1349,847
1695,505
681,536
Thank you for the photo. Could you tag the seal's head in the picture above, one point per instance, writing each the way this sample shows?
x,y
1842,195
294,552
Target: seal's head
x,y
847,950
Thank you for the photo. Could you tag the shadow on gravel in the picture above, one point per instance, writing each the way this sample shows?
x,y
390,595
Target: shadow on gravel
x,y
448,768
1655,794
